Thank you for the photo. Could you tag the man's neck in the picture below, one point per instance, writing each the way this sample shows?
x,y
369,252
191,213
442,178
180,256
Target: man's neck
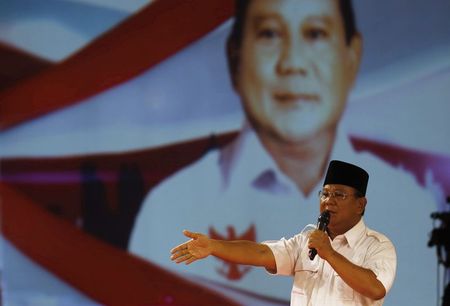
x,y
303,161
333,232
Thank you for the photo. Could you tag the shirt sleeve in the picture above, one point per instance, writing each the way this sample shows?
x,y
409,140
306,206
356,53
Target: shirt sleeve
x,y
286,253
382,260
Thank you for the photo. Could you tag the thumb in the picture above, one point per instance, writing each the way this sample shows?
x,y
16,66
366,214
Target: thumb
x,y
191,234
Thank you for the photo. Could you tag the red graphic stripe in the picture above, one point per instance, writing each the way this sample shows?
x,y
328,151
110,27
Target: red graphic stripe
x,y
140,42
106,274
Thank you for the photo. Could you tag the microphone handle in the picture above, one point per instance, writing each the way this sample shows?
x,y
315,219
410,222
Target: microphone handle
x,y
313,252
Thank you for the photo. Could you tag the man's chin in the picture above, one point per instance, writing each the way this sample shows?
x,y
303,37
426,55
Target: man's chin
x,y
288,130
297,135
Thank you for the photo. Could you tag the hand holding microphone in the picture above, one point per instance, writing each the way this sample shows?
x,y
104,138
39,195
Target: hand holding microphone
x,y
322,223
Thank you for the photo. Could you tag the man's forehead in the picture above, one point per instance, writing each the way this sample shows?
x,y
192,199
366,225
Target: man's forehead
x,y
332,187
294,9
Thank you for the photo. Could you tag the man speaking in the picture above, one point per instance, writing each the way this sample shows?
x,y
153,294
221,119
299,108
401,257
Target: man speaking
x,y
355,265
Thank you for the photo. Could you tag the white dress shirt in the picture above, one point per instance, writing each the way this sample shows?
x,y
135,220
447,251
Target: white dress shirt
x,y
316,283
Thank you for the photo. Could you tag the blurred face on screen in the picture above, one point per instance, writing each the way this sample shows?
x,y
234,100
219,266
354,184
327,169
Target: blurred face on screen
x,y
295,67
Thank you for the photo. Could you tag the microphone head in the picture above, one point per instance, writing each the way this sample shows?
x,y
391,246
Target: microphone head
x,y
324,218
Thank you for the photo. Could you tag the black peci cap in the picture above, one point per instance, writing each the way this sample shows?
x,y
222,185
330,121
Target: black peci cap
x,y
343,173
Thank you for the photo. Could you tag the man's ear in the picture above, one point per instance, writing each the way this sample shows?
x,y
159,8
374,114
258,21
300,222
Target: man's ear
x,y
362,202
355,50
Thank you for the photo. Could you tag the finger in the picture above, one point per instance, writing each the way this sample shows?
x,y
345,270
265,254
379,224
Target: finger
x,y
311,234
190,234
179,251
182,257
176,256
180,247
191,260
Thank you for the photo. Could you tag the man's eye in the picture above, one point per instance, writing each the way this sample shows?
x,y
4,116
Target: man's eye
x,y
315,34
268,34
340,195
325,194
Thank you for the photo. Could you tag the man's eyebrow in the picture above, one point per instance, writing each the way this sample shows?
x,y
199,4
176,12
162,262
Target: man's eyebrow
x,y
328,20
260,17
334,190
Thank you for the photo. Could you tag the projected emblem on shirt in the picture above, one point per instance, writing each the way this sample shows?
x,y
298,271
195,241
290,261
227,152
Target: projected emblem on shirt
x,y
228,270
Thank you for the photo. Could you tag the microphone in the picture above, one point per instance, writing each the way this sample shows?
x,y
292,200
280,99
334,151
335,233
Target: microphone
x,y
322,223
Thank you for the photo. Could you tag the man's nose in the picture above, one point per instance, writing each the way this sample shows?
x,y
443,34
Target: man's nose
x,y
330,200
292,58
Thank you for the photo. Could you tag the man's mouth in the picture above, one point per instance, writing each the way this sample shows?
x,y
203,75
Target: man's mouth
x,y
332,212
287,97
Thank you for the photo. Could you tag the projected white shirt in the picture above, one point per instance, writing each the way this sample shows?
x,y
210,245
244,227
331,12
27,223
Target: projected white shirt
x,y
239,193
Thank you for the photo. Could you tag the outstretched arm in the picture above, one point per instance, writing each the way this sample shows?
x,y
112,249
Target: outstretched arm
x,y
358,278
238,251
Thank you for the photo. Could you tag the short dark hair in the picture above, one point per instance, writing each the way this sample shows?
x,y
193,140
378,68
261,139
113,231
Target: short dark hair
x,y
235,37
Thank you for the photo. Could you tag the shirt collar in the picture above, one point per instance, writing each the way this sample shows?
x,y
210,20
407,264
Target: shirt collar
x,y
246,162
354,234
262,172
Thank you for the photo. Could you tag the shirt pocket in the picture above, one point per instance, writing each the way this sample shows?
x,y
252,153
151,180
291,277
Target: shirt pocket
x,y
306,274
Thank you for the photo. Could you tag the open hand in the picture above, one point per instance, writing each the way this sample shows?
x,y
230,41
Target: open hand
x,y
198,247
